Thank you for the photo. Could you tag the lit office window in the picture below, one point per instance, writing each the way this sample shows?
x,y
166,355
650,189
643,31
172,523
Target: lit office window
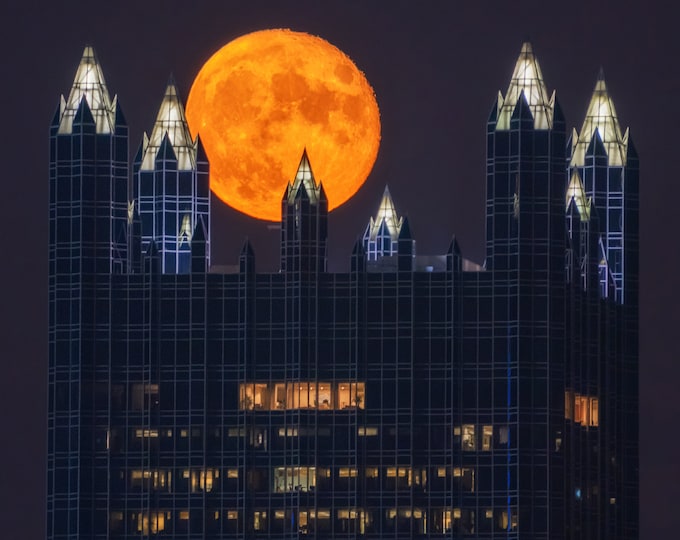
x,y
325,396
582,409
487,438
260,520
201,480
468,441
351,395
149,522
156,479
287,479
594,411
302,395
146,433
372,472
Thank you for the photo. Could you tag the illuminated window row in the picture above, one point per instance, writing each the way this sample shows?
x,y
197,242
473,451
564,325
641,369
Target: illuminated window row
x,y
460,520
198,480
288,479
309,520
291,479
302,395
256,433
582,409
155,433
472,438
157,522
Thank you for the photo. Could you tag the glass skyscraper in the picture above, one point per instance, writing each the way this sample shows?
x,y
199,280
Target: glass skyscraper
x,y
412,396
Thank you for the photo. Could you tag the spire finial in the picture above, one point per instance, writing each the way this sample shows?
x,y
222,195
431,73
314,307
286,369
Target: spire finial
x,y
527,79
577,193
600,74
88,84
304,177
387,215
382,232
601,117
172,122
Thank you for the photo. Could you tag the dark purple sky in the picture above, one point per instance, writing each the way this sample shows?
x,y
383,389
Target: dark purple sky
x,y
436,68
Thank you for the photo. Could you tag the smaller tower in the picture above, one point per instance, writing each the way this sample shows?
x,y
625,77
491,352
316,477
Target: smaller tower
x,y
584,250
600,153
382,232
304,223
171,187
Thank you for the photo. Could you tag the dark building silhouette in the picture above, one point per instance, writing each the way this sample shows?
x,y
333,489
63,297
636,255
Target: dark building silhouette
x,y
412,396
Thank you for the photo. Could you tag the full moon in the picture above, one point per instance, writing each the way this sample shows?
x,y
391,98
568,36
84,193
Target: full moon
x,y
263,98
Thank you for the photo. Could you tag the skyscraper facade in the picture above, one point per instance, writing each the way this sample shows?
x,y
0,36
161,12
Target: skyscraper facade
x,y
412,396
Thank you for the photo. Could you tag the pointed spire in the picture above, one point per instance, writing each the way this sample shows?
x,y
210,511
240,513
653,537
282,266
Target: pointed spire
x,y
453,256
305,178
577,193
166,152
405,230
382,232
387,215
358,256
527,79
406,248
88,84
247,249
172,121
247,258
197,237
454,248
601,116
84,115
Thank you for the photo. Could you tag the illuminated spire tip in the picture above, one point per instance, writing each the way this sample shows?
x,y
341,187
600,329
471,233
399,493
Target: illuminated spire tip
x,y
89,84
387,215
304,177
527,79
601,117
171,120
576,193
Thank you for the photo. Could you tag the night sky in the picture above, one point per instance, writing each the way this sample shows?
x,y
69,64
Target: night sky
x,y
436,68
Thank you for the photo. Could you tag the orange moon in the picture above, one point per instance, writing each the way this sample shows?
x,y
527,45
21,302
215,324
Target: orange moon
x,y
263,98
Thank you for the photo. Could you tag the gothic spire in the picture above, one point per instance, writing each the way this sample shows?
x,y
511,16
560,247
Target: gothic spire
x,y
576,193
171,121
89,85
304,178
387,215
601,116
527,79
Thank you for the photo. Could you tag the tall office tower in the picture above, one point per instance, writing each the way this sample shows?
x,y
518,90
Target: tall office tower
x,y
521,365
413,396
171,190
87,252
602,365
